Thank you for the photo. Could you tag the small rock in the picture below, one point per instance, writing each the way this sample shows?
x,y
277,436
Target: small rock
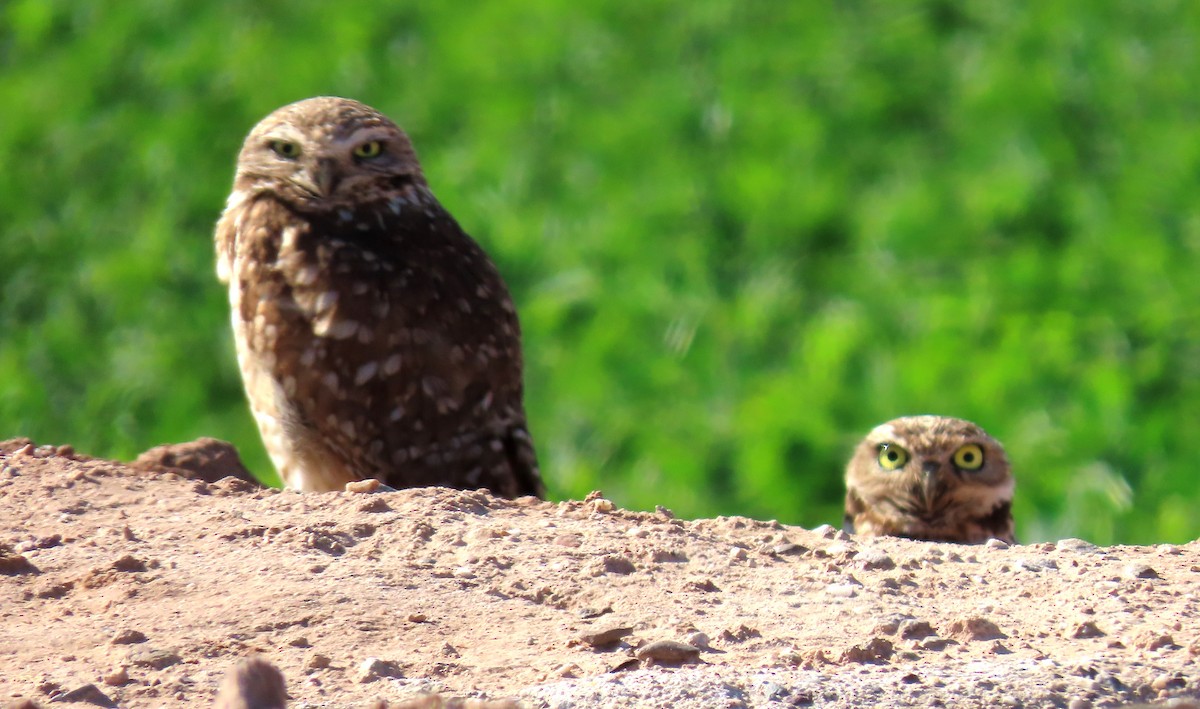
x,y
1035,565
1153,640
87,694
916,629
602,506
117,677
1168,681
206,459
375,504
1140,571
842,590
1075,545
1078,703
737,554
874,559
606,637
417,618
363,486
996,544
668,651
317,661
154,658
16,565
128,637
373,668
974,628
705,585
129,563
876,651
698,639
54,590
739,634
299,641
613,564
839,549
1086,629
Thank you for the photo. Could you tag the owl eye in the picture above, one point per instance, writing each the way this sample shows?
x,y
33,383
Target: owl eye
x,y
284,148
368,150
892,456
969,457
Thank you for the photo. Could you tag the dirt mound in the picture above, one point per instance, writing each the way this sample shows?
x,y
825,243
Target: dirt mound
x,y
144,587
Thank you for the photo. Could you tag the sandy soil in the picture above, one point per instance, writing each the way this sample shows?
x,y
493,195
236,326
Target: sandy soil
x,y
142,587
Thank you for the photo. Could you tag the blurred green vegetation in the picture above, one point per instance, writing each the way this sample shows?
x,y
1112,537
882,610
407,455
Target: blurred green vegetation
x,y
740,234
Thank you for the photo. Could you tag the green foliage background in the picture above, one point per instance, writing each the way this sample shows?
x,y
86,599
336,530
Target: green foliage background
x,y
740,234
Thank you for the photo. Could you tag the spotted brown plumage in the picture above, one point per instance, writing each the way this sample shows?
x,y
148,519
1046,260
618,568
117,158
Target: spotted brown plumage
x,y
930,477
375,338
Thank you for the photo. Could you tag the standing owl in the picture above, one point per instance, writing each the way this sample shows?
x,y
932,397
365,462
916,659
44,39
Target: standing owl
x,y
375,338
930,477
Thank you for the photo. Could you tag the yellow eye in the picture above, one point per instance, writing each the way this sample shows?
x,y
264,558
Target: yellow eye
x,y
892,456
284,148
969,457
369,149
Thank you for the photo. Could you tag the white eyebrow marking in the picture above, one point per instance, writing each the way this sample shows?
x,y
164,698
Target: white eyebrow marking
x,y
363,135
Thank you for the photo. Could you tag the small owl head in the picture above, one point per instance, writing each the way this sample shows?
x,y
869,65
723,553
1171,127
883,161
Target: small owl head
x,y
930,477
326,152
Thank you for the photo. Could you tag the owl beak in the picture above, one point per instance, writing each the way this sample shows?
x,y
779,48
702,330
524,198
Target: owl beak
x,y
324,177
929,481
320,179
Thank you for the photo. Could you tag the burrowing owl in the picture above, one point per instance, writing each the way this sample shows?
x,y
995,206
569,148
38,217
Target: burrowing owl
x,y
930,477
375,338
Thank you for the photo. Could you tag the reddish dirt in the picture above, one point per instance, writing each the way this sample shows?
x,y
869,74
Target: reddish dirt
x,y
142,587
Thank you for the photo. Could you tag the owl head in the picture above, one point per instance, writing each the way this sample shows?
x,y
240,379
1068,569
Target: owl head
x,y
930,477
326,152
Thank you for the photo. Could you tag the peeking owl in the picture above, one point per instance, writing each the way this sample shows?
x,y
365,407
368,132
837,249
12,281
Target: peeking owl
x,y
930,477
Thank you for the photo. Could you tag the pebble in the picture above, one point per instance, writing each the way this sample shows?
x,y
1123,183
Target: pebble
x,y
1086,629
129,563
1075,545
317,661
155,658
613,564
842,590
1167,681
874,559
975,628
914,629
116,677
374,668
996,544
86,694
128,637
1078,703
608,636
1153,640
1140,571
363,486
668,651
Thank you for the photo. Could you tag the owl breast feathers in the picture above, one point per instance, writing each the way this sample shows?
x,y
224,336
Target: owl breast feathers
x,y
374,337
932,478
